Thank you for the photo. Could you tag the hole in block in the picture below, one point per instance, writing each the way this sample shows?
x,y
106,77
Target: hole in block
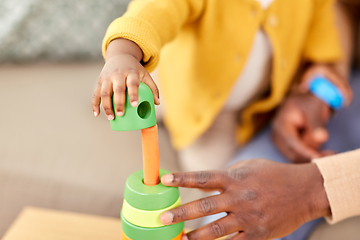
x,y
144,110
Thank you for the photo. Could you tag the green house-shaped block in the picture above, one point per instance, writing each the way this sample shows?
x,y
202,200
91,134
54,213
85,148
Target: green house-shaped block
x,y
136,118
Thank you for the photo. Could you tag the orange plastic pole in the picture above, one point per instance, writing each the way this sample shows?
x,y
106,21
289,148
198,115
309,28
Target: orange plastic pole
x,y
123,236
150,146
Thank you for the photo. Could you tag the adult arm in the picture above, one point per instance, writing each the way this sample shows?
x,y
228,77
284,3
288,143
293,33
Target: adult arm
x,y
299,128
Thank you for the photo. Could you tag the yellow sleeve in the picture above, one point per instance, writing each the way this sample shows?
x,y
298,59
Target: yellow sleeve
x,y
323,42
151,24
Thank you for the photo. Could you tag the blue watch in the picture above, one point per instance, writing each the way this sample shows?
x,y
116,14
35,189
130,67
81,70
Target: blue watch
x,y
326,91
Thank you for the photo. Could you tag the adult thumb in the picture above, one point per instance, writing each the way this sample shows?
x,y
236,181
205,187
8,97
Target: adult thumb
x,y
320,134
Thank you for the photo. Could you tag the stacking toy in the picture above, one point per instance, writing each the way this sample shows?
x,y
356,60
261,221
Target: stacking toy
x,y
145,197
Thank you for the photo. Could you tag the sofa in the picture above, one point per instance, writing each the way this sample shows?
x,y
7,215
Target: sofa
x,y
53,152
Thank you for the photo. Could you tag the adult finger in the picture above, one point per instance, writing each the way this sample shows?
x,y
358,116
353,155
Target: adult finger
x,y
314,138
106,99
298,146
215,180
119,95
325,153
196,209
284,149
96,99
152,85
316,130
132,83
316,117
239,236
217,229
290,141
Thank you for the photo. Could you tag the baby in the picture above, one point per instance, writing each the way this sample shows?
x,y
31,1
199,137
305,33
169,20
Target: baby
x,y
220,64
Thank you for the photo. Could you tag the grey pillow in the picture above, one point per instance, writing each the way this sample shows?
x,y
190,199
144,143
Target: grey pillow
x,y
55,30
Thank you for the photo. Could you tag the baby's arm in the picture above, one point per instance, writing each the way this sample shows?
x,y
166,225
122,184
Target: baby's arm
x,y
148,25
122,70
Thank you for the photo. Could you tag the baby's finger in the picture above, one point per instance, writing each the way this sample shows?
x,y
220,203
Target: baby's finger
x,y
152,85
106,100
96,100
119,96
132,83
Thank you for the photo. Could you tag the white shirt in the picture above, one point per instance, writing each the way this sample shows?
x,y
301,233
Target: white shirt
x,y
265,3
255,77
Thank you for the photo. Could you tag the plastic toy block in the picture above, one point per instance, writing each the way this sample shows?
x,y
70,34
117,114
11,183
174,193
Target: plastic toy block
x,y
150,148
136,118
143,205
124,237
144,218
143,197
161,233
327,91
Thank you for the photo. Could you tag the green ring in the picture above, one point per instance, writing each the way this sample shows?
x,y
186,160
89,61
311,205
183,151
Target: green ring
x,y
140,233
145,218
143,197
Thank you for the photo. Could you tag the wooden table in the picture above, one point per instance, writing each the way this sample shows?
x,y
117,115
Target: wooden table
x,y
43,224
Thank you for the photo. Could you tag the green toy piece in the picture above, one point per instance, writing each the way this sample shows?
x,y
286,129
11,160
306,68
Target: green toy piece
x,y
143,197
136,118
145,218
143,205
161,233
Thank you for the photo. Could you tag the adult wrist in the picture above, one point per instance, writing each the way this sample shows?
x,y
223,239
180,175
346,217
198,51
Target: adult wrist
x,y
319,205
323,89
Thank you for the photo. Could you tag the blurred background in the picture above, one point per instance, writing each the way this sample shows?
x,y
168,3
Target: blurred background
x,y
53,152
55,30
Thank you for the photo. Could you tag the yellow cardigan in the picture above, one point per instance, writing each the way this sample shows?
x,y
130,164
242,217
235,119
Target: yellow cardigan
x,y
205,45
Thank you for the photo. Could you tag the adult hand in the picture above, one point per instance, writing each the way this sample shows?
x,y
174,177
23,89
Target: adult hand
x,y
262,199
329,72
299,128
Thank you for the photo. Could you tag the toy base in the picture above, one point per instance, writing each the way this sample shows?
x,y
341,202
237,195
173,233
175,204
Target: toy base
x,y
124,237
161,233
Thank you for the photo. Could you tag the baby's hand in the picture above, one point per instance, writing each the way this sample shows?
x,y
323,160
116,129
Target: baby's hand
x,y
121,71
